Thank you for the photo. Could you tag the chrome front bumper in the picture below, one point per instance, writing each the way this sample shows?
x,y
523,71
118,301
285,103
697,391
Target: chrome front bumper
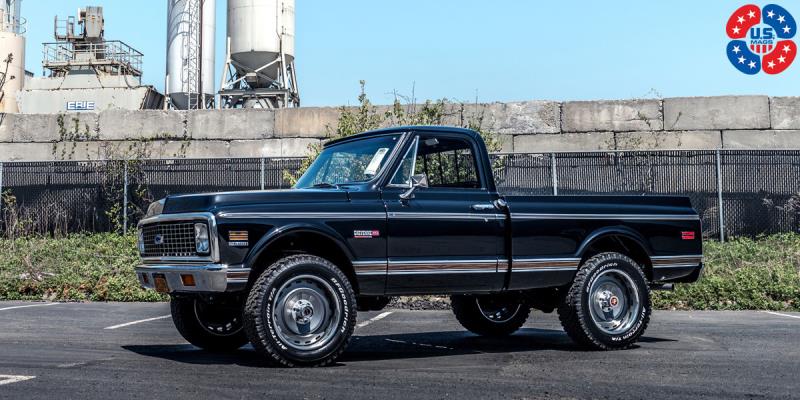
x,y
206,278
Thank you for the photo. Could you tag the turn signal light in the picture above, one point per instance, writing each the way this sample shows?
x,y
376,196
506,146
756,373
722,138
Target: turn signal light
x,y
188,280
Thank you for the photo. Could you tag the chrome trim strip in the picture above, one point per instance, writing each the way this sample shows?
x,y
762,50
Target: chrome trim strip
x,y
444,262
444,272
544,269
370,267
628,217
462,216
212,228
303,215
371,273
398,267
698,256
692,265
544,264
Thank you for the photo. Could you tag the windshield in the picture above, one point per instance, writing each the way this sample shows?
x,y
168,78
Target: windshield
x,y
352,162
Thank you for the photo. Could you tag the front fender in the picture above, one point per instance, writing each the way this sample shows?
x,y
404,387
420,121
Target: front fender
x,y
279,232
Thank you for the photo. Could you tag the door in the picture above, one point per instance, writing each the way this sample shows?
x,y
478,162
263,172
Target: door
x,y
447,238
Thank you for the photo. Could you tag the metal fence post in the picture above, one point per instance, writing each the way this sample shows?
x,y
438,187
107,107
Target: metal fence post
x,y
1,186
125,200
554,173
262,174
719,198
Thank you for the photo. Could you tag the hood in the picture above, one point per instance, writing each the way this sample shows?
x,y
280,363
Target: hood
x,y
209,202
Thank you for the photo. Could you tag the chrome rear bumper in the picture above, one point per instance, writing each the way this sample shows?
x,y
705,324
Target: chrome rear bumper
x,y
206,278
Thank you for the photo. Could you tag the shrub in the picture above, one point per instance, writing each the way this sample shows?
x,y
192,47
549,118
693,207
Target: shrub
x,y
742,274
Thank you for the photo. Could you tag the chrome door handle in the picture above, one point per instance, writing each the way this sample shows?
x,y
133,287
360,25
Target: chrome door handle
x,y
482,207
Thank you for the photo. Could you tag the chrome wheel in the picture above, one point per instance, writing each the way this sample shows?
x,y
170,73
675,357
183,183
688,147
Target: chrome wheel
x,y
497,310
306,313
218,320
614,302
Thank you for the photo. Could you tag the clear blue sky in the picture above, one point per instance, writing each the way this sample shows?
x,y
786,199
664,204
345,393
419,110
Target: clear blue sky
x,y
501,50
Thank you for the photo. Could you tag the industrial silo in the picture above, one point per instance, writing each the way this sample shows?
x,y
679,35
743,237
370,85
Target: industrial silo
x,y
12,54
260,70
191,28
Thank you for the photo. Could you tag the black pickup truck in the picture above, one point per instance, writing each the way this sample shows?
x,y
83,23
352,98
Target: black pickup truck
x,y
402,211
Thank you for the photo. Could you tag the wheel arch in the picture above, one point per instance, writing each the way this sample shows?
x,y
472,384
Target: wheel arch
x,y
618,239
301,238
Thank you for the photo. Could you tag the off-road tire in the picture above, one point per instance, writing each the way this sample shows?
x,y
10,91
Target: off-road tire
x,y
574,313
258,313
187,323
469,314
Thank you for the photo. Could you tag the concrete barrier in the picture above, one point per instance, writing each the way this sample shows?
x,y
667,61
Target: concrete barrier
x,y
718,113
230,124
618,116
140,125
785,112
679,123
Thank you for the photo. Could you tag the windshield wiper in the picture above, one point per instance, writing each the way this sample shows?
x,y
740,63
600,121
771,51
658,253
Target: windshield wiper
x,y
325,185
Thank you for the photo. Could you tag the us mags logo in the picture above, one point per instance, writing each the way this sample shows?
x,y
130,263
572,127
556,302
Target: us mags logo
x,y
761,39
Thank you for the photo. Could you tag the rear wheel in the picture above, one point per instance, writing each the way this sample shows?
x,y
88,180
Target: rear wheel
x,y
301,312
608,305
209,325
490,315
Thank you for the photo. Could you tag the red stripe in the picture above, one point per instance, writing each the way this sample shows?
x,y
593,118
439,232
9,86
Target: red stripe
x,y
753,47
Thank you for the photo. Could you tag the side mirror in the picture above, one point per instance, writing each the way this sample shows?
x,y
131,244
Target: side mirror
x,y
417,181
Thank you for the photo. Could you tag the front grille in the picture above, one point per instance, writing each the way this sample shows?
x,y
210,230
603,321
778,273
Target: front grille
x,y
169,239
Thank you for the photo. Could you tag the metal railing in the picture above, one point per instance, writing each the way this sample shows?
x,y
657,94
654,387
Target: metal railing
x,y
117,56
736,192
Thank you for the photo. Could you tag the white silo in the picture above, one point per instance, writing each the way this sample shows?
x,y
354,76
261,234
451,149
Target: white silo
x,y
12,54
191,29
259,69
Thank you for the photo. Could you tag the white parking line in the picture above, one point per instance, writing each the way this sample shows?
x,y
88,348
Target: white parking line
x,y
374,319
419,344
29,305
783,315
137,322
9,379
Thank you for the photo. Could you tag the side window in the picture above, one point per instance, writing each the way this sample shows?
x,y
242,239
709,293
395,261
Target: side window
x,y
403,174
447,162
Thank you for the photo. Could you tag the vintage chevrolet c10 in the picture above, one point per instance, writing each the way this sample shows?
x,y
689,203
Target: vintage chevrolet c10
x,y
402,211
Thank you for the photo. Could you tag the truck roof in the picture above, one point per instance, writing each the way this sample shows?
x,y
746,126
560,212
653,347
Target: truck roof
x,y
400,129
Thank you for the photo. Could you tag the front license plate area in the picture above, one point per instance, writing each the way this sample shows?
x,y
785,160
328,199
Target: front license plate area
x,y
160,283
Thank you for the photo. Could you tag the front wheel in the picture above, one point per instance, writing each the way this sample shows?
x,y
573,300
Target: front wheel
x,y
301,312
490,315
608,305
213,326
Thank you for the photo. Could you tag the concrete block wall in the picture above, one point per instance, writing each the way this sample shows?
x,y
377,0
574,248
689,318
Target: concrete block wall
x,y
734,122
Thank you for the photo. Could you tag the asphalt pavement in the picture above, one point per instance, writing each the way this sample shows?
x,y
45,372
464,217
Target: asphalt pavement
x,y
131,350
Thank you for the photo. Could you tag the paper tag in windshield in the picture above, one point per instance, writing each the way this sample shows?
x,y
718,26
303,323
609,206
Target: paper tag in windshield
x,y
373,166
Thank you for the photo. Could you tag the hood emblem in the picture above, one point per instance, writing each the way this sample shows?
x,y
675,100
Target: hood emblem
x,y
158,240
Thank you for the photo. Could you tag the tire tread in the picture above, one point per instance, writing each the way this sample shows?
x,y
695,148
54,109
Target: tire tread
x,y
254,325
570,308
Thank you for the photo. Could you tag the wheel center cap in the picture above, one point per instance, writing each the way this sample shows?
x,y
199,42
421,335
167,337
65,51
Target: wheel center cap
x,y
303,312
613,301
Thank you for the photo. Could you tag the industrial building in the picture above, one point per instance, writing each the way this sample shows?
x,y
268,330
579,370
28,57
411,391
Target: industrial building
x,y
85,71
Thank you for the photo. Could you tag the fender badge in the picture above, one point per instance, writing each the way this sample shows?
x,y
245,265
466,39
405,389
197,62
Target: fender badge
x,y
238,239
366,234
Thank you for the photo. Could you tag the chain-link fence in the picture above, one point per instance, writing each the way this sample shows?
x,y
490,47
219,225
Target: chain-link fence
x,y
738,192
